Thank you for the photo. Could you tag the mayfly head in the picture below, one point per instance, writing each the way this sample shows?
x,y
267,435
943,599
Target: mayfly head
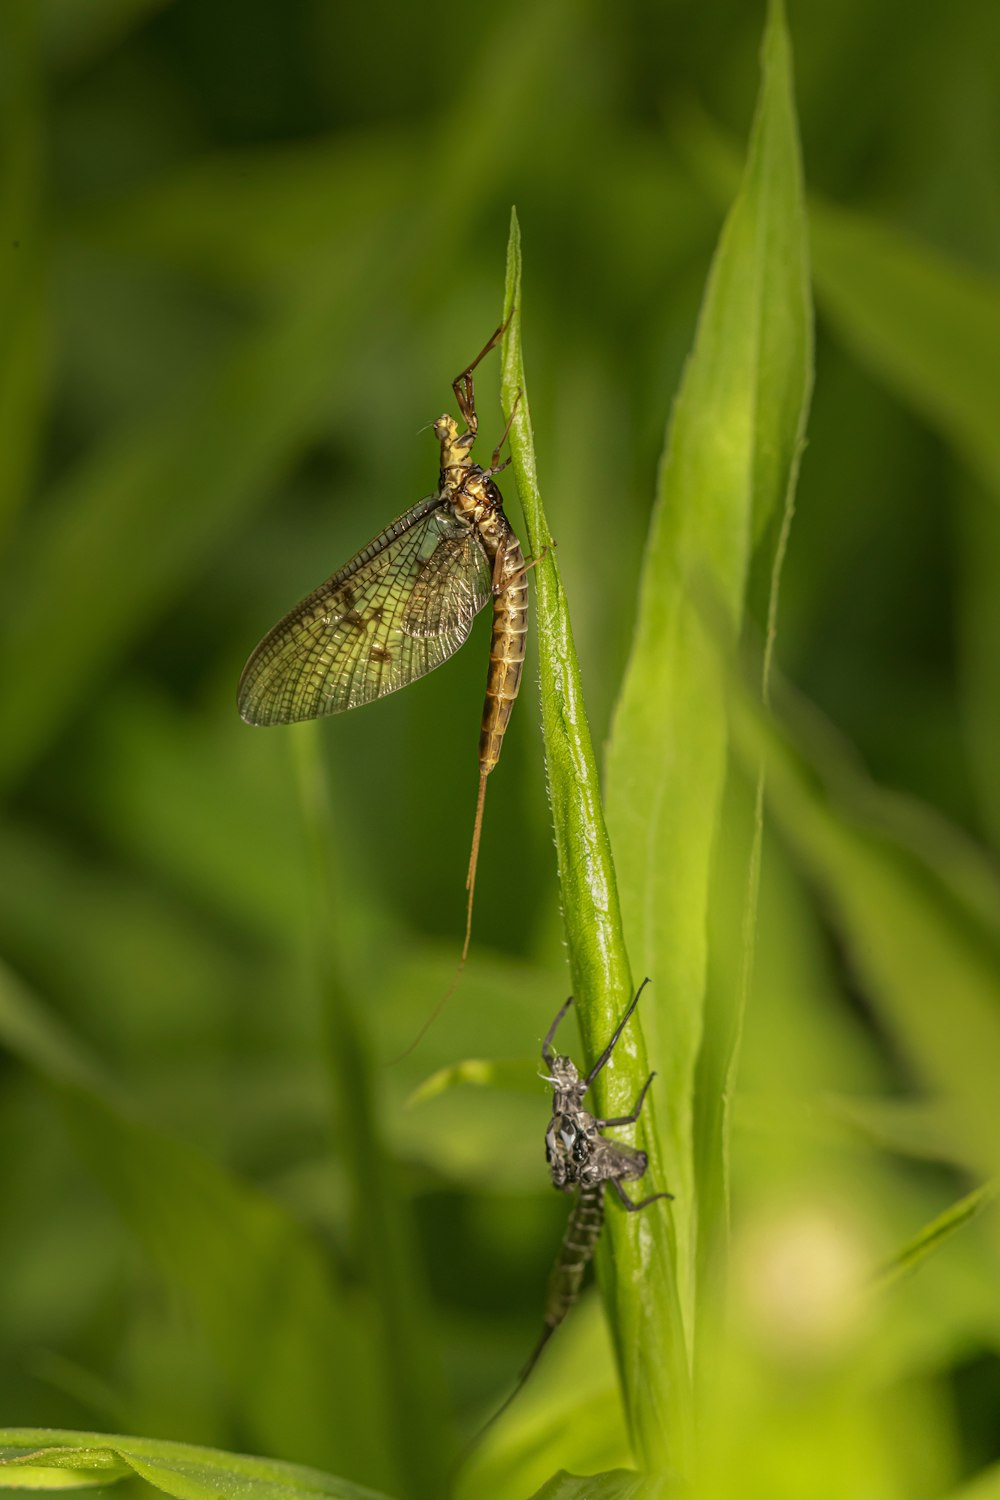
x,y
565,1082
454,447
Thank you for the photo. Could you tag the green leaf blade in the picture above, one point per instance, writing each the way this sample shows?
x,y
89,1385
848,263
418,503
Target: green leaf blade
x,y
937,1233
617,1484
717,539
43,1458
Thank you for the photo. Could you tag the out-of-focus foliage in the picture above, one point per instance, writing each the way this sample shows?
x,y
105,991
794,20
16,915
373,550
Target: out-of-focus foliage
x,y
243,251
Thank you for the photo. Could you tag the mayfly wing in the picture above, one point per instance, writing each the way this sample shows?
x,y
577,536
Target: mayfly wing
x,y
397,610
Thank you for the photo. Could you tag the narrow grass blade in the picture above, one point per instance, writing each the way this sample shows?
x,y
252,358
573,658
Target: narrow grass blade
x,y
641,1290
479,1072
617,1484
718,532
47,1458
938,1232
920,1129
925,324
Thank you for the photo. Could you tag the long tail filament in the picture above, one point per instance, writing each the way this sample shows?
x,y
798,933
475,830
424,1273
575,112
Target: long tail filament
x,y
470,886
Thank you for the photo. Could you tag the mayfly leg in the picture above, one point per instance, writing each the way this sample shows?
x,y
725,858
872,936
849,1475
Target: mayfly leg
x,y
626,1201
550,1035
496,467
628,1119
599,1064
463,387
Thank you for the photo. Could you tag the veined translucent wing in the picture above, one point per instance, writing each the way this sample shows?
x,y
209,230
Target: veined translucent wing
x,y
397,610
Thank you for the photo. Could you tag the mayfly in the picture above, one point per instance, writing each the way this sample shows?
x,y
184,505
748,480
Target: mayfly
x,y
582,1159
405,603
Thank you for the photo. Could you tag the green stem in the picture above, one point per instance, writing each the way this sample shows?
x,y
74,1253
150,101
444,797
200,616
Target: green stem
x,y
637,1276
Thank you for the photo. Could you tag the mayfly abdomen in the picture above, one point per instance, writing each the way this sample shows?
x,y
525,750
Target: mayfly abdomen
x,y
510,626
575,1254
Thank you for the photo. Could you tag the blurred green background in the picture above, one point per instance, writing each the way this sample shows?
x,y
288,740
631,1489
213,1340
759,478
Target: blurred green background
x,y
244,249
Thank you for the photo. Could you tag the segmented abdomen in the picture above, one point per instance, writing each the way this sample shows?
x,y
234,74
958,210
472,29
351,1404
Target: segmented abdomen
x,y
575,1253
510,625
